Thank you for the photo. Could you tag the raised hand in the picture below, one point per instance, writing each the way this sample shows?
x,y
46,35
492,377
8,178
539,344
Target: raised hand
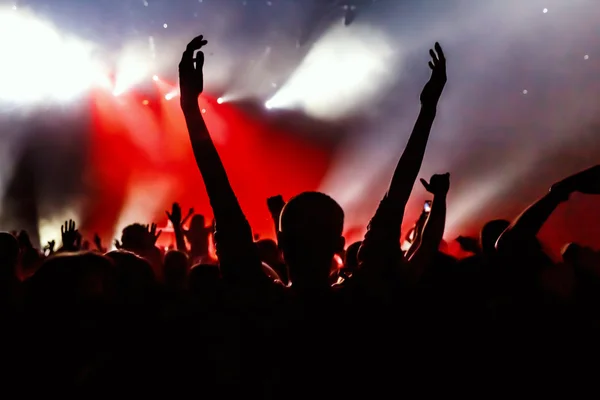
x,y
587,182
275,204
50,247
191,78
175,215
152,235
433,88
188,216
98,242
69,235
118,244
438,184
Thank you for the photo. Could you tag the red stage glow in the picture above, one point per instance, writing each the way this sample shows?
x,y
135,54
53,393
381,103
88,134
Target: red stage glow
x,y
142,155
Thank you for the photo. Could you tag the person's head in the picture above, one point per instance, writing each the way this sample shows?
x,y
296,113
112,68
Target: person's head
x,y
351,261
310,234
175,269
268,251
198,223
66,280
205,281
579,256
134,237
134,277
9,253
490,234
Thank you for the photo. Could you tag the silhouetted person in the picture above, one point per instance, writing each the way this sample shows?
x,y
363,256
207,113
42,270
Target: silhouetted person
x,y
176,266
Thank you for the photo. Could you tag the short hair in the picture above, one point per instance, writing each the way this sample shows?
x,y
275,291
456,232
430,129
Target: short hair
x,y
312,213
491,231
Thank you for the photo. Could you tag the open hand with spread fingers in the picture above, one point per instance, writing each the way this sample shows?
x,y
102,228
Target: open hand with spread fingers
x,y
434,87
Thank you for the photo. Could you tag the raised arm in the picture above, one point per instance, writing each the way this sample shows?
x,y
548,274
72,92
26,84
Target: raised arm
x,y
237,254
383,236
177,221
433,232
525,228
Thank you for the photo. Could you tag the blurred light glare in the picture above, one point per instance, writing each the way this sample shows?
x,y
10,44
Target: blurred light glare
x,y
155,78
220,100
39,62
344,70
132,69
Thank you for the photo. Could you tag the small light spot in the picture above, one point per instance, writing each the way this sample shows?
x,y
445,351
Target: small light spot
x,y
545,10
525,91
586,57
165,26
220,100
155,78
145,102
145,3
204,111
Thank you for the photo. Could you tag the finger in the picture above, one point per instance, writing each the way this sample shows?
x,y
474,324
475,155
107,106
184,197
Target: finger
x,y
431,65
440,52
186,63
168,214
195,43
424,183
62,230
158,234
199,68
434,57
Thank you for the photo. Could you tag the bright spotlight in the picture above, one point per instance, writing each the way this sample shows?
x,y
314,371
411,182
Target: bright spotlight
x,y
363,55
169,96
220,100
132,69
69,69
269,105
155,78
145,102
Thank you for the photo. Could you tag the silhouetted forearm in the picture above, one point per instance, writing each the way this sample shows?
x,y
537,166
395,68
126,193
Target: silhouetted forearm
x,y
528,224
417,238
180,239
384,228
432,236
235,247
